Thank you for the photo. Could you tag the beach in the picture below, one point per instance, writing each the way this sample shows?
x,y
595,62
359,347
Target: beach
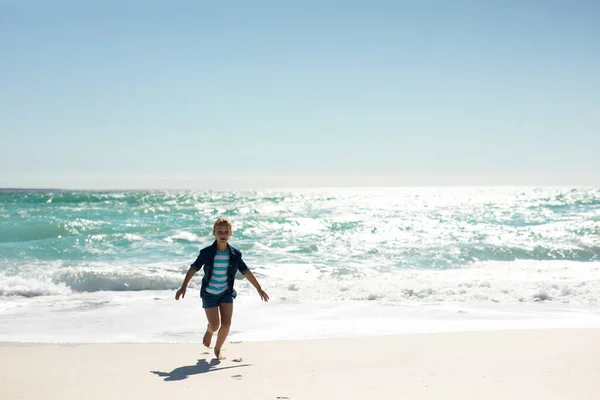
x,y
379,293
413,187
519,364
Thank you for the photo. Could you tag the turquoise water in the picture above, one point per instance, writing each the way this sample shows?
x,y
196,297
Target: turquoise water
x,y
84,241
80,266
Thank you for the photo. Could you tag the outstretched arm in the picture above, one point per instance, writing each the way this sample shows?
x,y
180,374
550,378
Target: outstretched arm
x,y
250,276
188,277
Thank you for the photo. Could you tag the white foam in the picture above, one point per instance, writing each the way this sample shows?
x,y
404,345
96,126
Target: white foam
x,y
155,316
184,236
564,282
516,282
54,278
20,286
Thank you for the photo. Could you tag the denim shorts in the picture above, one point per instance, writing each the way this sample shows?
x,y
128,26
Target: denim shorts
x,y
210,300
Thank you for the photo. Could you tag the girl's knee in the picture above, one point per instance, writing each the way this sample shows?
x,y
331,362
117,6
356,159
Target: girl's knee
x,y
225,324
213,327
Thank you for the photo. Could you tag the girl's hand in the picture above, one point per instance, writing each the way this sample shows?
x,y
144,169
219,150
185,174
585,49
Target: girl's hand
x,y
180,292
263,295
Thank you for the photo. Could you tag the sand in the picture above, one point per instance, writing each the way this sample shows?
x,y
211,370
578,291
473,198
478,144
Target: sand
x,y
534,364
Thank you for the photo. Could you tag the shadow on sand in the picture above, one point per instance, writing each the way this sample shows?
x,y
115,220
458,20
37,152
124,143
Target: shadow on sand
x,y
201,367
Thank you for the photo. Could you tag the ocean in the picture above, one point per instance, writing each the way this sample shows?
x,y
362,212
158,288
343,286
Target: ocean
x,y
103,266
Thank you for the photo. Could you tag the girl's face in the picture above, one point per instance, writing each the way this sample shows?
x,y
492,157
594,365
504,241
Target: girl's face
x,y
222,233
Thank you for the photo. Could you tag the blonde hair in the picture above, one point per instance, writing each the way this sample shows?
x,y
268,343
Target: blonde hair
x,y
222,221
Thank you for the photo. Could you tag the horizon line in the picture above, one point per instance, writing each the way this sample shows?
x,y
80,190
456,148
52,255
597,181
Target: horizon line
x,y
449,186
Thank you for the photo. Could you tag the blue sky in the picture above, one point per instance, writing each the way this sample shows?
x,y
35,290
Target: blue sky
x,y
274,93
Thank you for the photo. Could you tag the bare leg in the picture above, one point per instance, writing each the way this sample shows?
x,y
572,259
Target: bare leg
x,y
226,314
212,315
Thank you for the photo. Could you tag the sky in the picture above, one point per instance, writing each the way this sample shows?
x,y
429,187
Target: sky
x,y
198,94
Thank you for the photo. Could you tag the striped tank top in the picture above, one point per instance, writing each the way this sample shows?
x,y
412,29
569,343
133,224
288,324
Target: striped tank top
x,y
218,280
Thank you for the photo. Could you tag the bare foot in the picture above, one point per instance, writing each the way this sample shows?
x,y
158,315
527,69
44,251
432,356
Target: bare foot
x,y
219,355
207,338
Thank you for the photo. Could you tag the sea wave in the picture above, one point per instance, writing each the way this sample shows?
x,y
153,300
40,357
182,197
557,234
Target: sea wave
x,y
54,278
91,241
563,282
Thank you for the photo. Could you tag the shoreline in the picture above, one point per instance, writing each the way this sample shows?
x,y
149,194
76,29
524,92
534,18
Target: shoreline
x,y
155,317
375,336
519,364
